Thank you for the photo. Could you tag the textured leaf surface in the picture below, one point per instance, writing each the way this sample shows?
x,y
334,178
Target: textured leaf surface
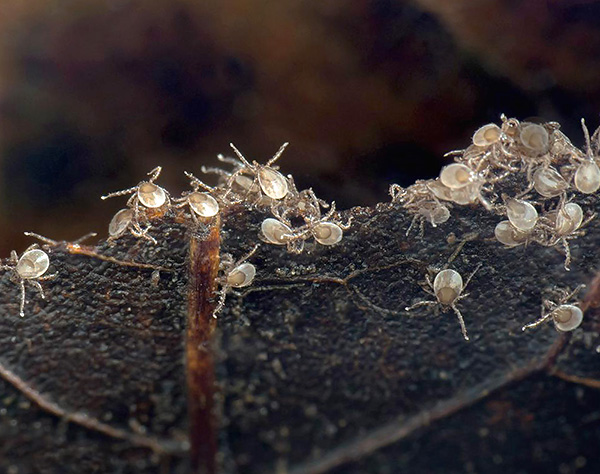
x,y
330,368
319,367
105,348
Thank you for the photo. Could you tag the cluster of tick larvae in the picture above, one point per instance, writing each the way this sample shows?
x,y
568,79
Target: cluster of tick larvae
x,y
543,212
297,216
553,172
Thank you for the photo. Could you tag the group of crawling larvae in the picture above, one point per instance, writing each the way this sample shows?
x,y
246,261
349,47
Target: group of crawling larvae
x,y
549,164
297,217
544,166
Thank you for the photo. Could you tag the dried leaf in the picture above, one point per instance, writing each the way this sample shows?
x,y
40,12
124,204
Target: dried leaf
x,y
315,368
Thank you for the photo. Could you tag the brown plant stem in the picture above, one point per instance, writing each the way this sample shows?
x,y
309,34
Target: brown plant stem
x,y
204,269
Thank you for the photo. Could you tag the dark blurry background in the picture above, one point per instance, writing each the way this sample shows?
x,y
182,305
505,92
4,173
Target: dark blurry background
x,y
95,93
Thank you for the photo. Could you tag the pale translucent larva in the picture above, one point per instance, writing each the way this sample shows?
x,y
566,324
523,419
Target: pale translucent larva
x,y
521,214
242,275
327,233
33,264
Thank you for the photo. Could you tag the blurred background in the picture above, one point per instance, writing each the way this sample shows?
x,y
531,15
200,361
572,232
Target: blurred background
x,y
95,94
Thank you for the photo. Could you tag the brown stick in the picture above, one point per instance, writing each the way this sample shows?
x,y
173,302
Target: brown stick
x,y
204,269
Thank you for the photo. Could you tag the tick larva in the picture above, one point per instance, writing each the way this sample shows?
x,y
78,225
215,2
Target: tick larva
x,y
275,232
203,204
535,137
32,264
236,274
487,135
566,316
549,182
327,233
508,235
447,286
568,218
151,195
521,214
434,212
146,193
31,268
462,196
448,289
587,176
241,276
120,222
456,176
271,181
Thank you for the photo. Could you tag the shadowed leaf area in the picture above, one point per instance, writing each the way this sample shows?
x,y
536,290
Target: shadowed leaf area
x,y
319,367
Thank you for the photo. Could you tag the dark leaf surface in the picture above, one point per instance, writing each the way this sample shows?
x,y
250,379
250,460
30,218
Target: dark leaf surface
x,y
104,348
329,355
319,368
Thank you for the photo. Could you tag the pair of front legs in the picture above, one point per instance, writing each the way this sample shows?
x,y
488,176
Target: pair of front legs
x,y
445,308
